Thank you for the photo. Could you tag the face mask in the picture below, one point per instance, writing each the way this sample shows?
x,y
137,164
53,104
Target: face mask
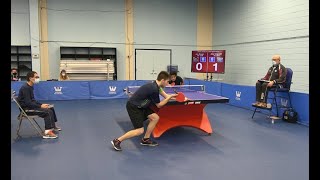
x,y
274,63
63,74
37,80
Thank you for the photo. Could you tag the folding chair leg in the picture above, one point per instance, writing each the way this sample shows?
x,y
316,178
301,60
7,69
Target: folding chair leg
x,y
38,125
254,113
39,131
18,129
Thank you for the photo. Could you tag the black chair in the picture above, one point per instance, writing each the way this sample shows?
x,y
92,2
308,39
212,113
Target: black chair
x,y
276,91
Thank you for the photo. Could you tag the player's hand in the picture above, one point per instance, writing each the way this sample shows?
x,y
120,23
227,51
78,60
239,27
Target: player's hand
x,y
172,96
270,83
45,106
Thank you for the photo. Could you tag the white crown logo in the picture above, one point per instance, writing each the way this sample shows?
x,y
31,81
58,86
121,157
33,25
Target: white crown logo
x,y
58,90
112,89
284,102
238,94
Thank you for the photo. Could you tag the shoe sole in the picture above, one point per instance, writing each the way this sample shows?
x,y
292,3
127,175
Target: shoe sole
x,y
46,137
115,147
149,144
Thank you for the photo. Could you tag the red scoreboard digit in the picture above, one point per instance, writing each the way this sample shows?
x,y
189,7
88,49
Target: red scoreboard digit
x,y
208,61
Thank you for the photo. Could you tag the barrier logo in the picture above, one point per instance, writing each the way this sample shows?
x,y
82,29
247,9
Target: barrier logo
x,y
112,90
238,94
284,102
57,90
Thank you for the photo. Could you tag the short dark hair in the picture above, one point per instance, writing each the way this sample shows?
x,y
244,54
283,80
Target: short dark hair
x,y
30,75
163,75
173,73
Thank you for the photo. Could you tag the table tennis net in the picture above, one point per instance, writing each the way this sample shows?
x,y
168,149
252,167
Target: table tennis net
x,y
172,89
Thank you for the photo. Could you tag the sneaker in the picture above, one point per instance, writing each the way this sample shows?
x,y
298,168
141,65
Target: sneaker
x,y
148,142
263,104
57,128
256,104
269,105
116,144
49,135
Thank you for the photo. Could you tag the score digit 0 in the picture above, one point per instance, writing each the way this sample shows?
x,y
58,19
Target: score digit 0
x,y
199,66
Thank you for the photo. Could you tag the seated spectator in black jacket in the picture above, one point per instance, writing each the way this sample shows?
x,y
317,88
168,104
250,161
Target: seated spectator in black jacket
x,y
27,101
14,74
175,80
276,75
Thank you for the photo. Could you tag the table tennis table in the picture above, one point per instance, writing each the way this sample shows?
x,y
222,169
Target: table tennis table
x,y
190,113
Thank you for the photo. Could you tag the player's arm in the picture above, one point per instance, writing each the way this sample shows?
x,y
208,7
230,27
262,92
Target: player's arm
x,y
182,83
165,101
164,94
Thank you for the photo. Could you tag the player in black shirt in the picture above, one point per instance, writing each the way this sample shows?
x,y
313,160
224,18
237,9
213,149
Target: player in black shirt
x,y
175,79
139,109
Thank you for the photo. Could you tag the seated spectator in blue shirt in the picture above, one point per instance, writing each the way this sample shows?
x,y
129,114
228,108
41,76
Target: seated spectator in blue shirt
x,y
27,102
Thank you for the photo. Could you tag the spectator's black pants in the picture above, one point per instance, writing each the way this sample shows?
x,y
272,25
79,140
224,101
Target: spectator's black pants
x,y
49,116
262,91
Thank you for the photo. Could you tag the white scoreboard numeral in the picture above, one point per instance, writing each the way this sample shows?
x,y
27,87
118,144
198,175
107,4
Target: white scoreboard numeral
x,y
199,66
215,65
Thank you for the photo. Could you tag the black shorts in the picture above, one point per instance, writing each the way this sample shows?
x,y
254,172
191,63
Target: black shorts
x,y
138,115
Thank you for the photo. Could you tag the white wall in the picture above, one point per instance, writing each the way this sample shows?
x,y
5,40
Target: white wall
x,y
20,29
251,31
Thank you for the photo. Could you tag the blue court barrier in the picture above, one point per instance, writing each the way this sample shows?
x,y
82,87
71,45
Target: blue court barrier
x,y
111,89
239,95
62,90
244,96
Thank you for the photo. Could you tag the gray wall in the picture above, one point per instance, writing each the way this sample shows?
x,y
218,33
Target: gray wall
x,y
167,24
20,29
94,23
251,31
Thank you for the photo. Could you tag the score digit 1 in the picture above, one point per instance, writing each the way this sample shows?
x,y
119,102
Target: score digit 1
x,y
215,65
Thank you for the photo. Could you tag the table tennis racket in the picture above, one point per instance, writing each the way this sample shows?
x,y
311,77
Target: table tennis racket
x,y
180,97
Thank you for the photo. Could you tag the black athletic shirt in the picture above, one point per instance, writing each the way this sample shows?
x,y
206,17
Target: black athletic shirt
x,y
178,81
145,95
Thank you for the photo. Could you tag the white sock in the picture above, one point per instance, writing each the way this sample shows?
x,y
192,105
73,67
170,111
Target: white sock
x,y
47,131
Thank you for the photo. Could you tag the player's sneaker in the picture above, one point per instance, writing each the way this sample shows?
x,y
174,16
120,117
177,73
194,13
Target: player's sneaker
x,y
148,142
49,135
116,144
